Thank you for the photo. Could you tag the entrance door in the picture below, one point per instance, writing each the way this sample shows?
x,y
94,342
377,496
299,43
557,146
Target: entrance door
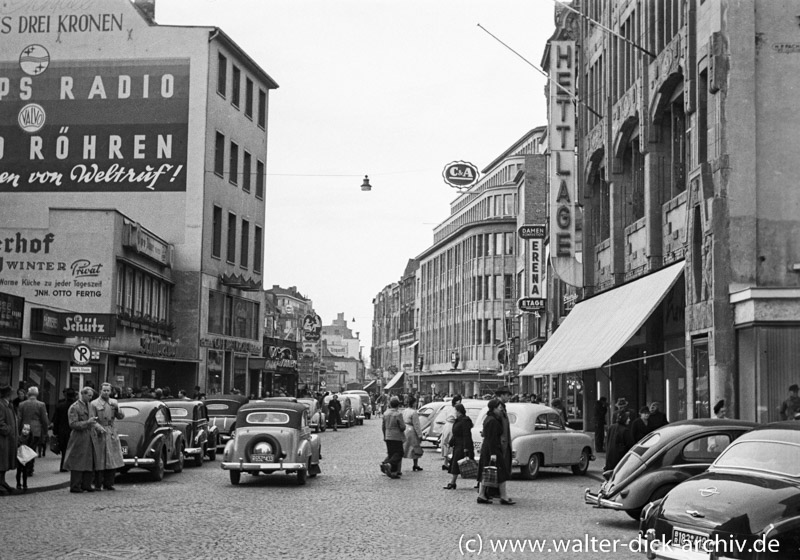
x,y
702,397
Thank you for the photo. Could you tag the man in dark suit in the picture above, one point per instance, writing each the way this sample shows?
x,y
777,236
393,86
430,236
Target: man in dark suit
x,y
61,427
600,420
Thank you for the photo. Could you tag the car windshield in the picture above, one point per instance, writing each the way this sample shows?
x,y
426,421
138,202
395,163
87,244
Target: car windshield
x,y
220,408
267,417
178,412
770,456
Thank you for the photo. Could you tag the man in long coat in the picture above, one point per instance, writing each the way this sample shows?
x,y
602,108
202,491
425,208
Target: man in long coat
x,y
8,439
82,449
106,410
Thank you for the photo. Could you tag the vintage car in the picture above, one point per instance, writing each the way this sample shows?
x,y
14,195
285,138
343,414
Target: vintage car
x,y
662,460
434,432
222,413
191,417
316,416
427,412
270,436
366,405
149,438
746,506
539,439
349,416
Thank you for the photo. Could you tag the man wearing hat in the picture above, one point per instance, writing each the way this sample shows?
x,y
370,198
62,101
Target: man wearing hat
x,y
504,394
61,427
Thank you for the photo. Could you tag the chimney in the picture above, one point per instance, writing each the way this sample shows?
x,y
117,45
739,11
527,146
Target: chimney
x,y
147,8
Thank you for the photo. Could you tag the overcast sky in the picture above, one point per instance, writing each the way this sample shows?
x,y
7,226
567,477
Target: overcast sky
x,y
394,89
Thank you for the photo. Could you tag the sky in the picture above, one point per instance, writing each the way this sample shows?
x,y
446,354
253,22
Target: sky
x,y
393,89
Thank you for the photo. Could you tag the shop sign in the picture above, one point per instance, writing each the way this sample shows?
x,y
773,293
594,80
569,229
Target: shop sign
x,y
12,311
312,328
569,302
537,269
10,350
530,305
280,356
523,358
532,231
122,361
156,346
460,174
147,245
220,343
97,325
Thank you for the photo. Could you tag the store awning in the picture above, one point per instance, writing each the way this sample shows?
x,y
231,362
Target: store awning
x,y
370,384
396,381
598,327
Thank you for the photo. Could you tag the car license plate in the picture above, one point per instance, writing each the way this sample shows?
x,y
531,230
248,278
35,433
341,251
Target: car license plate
x,y
689,541
124,450
262,458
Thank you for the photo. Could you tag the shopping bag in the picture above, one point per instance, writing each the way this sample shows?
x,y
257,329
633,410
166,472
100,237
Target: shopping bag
x,y
54,447
489,478
468,468
25,454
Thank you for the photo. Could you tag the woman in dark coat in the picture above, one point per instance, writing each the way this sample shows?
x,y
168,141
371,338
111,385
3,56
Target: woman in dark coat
x,y
492,453
620,440
461,443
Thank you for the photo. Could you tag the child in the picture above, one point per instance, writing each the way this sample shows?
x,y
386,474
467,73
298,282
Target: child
x,y
22,470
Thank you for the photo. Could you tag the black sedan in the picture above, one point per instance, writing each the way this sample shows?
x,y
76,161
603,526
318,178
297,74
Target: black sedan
x,y
662,460
191,417
148,437
745,507
222,411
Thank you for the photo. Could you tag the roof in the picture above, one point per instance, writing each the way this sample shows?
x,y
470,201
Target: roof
x,y
272,405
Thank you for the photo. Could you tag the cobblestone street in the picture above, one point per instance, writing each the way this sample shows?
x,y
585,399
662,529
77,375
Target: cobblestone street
x,y
351,510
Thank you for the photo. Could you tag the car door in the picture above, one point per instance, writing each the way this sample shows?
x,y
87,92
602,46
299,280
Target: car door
x,y
563,451
543,439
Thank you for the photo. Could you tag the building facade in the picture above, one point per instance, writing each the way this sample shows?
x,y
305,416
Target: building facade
x,y
166,126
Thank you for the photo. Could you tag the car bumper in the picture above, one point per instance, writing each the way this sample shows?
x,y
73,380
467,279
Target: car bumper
x,y
137,462
193,451
595,500
242,466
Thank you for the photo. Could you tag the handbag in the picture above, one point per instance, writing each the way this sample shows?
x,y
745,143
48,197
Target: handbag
x,y
54,447
489,478
25,454
468,468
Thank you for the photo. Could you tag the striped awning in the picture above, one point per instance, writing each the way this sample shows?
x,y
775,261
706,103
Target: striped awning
x,y
396,381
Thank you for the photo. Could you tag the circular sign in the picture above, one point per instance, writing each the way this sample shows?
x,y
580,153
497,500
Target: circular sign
x,y
322,384
433,385
34,59
31,117
81,354
460,174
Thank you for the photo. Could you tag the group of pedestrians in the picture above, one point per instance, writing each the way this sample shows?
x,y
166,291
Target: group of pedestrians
x,y
23,421
625,431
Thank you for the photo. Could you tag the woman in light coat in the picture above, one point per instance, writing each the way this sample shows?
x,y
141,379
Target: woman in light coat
x,y
412,448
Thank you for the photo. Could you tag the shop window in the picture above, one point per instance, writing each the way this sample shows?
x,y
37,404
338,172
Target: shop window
x,y
5,372
700,374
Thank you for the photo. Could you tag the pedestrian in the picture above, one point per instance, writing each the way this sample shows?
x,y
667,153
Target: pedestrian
x,y
620,407
22,396
720,411
61,429
657,418
394,435
791,406
461,442
334,411
412,448
504,394
34,413
559,407
492,454
444,439
82,448
620,440
640,427
182,396
196,393
107,411
600,418
8,438
24,438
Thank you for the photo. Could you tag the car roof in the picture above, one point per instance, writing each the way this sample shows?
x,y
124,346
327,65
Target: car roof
x,y
142,404
786,431
237,398
181,402
272,404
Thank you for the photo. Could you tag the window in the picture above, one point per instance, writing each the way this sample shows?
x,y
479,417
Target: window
x,y
498,287
219,154
120,285
248,98
231,237
232,316
148,285
509,244
508,203
508,286
233,164
244,250
222,74
216,239
257,250
498,243
129,275
262,108
237,86
259,179
138,293
247,166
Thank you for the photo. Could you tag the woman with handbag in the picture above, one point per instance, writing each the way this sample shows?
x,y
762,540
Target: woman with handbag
x,y
412,448
492,470
461,442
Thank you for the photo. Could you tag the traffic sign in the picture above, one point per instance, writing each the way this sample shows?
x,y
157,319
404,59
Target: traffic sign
x,y
81,354
433,385
80,369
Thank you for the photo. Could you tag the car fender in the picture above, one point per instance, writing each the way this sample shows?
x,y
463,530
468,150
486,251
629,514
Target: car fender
x,y
640,489
227,454
177,439
789,524
154,446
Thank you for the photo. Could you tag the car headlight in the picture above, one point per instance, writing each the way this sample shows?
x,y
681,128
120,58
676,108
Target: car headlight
x,y
262,447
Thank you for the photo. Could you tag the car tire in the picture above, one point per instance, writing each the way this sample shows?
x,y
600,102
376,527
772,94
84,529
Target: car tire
x,y
276,446
198,459
582,466
530,470
179,464
302,474
236,476
212,453
157,474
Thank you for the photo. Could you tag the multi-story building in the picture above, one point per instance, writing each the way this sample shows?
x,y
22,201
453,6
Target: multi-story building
x,y
684,137
343,352
385,352
109,114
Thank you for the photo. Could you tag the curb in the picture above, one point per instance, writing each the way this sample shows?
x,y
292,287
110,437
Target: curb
x,y
37,489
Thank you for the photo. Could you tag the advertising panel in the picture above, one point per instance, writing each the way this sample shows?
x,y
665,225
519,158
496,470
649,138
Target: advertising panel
x,y
12,312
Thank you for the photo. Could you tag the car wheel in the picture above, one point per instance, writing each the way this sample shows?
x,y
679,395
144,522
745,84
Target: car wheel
x,y
178,466
198,459
582,466
235,477
322,427
212,453
303,473
530,470
157,474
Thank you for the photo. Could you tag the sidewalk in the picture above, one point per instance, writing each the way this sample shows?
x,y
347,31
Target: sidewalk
x,y
45,475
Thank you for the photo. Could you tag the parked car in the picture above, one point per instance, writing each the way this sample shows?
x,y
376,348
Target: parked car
x,y
272,435
366,406
748,501
316,417
427,413
191,417
539,439
662,460
222,413
149,438
348,417
434,433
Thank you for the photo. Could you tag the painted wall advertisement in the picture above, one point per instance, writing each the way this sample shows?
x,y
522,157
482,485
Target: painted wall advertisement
x,y
56,268
92,125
